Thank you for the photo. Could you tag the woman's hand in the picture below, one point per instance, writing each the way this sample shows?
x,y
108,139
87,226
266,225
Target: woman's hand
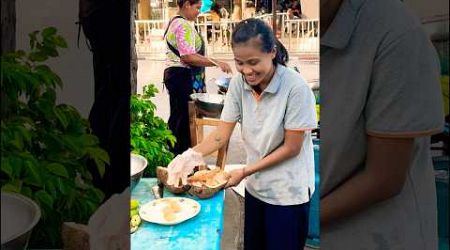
x,y
235,177
182,165
225,67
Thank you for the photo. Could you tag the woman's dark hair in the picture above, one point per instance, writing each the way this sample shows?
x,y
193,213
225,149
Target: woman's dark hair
x,y
253,28
181,2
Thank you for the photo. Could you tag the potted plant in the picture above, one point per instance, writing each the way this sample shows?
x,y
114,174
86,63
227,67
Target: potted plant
x,y
150,136
45,146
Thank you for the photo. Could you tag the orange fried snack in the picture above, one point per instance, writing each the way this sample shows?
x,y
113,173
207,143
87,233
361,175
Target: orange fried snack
x,y
171,209
168,214
209,178
174,206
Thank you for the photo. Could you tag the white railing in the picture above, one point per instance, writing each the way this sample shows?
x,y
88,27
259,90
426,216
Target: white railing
x,y
301,35
149,37
298,35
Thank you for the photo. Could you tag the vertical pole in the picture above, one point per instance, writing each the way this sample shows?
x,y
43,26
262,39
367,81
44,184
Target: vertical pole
x,y
274,17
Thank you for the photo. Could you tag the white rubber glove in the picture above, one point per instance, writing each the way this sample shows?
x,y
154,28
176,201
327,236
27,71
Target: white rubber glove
x,y
182,165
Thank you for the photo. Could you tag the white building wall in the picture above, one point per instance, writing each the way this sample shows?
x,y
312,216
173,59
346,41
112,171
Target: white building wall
x,y
310,8
74,65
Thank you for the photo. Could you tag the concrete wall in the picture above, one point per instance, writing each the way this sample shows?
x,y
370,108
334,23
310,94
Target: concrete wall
x,y
74,65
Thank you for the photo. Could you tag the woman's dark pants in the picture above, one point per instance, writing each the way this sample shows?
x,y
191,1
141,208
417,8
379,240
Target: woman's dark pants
x,y
178,81
271,227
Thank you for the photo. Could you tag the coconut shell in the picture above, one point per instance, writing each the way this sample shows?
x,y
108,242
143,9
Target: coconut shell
x,y
204,191
75,236
162,174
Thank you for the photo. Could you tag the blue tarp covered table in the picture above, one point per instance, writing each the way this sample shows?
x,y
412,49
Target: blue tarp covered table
x,y
204,231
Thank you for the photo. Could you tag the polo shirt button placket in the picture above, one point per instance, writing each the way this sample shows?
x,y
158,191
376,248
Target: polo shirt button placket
x,y
258,115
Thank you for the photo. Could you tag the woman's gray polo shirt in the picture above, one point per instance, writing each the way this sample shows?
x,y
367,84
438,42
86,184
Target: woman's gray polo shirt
x,y
286,104
380,77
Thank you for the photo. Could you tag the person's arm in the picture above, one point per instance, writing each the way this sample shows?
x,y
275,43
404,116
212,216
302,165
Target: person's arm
x,y
216,139
182,165
203,61
387,166
401,103
293,141
185,37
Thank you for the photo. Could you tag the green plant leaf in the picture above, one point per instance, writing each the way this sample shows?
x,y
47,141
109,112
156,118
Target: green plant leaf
x,y
33,175
150,135
99,195
33,39
17,142
99,153
17,163
6,167
13,186
89,140
57,169
50,51
50,188
27,192
59,41
50,96
100,166
44,144
62,185
44,198
49,31
61,117
37,56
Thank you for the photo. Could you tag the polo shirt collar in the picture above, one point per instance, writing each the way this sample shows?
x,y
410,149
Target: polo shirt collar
x,y
341,29
274,84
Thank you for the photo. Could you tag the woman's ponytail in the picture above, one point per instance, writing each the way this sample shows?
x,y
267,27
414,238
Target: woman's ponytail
x,y
281,56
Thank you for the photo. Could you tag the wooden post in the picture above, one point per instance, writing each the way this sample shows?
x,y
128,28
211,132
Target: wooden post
x,y
196,123
133,53
274,17
192,122
145,10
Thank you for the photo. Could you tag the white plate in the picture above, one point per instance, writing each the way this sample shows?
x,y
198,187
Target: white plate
x,y
153,210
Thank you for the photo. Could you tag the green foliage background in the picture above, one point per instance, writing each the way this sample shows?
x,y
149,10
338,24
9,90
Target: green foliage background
x,y
150,136
45,146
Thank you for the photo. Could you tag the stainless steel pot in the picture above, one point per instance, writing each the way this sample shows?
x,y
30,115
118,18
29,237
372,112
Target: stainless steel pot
x,y
210,105
19,216
222,83
137,166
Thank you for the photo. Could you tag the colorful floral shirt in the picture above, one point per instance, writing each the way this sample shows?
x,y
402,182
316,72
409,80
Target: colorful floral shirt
x,y
183,36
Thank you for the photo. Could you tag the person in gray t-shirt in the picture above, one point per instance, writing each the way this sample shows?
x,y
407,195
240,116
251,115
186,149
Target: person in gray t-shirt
x,y
380,102
276,110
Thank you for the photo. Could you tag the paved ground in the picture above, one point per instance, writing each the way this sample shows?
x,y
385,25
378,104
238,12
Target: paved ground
x,y
150,71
